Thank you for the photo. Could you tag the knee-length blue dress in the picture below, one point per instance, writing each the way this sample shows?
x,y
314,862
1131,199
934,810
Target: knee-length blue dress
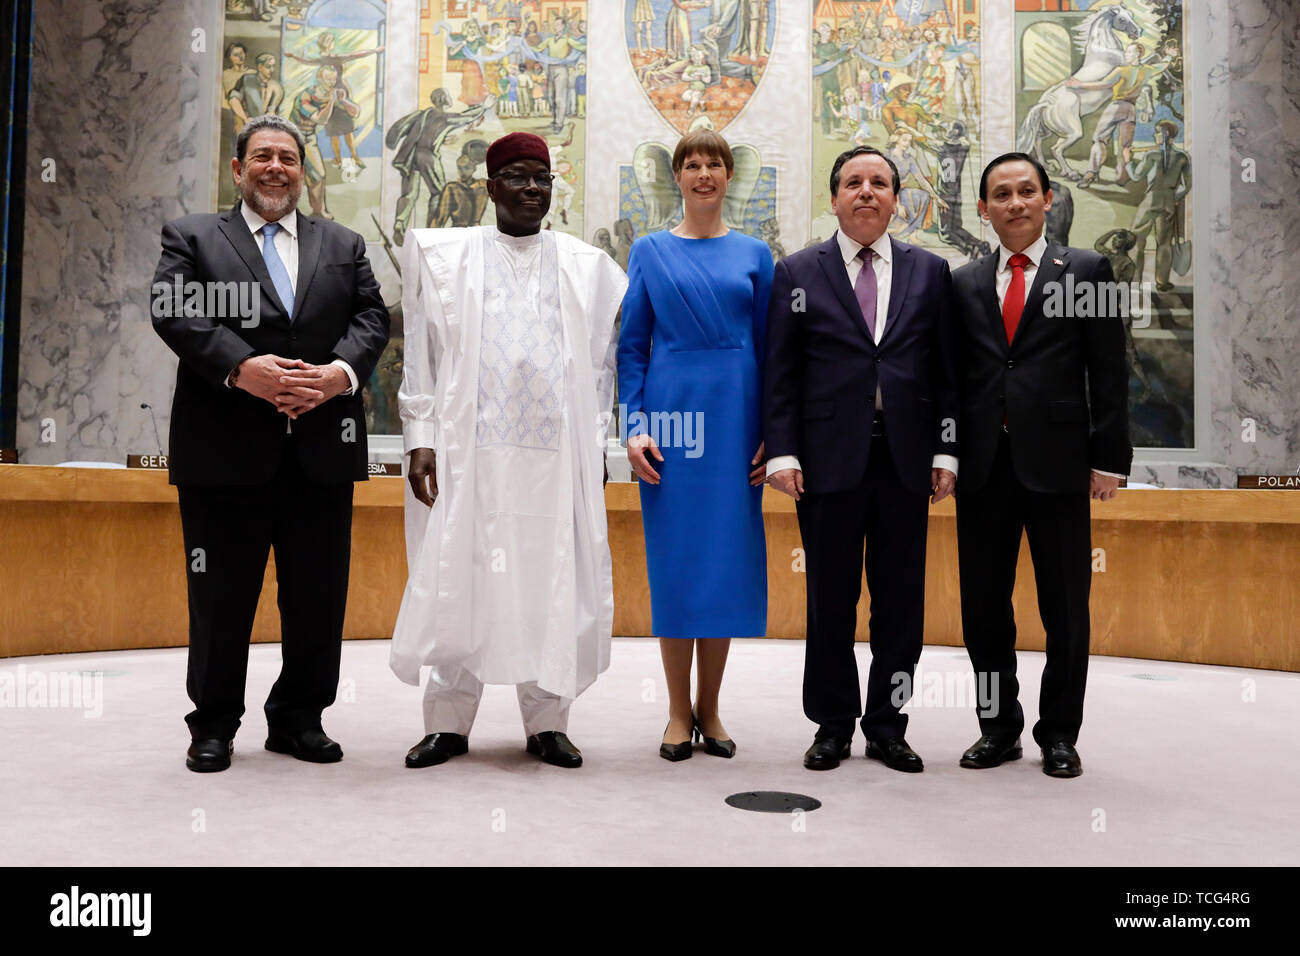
x,y
690,357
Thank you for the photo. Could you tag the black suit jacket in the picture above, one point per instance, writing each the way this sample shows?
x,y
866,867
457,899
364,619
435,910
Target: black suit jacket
x,y
822,368
225,436
1062,383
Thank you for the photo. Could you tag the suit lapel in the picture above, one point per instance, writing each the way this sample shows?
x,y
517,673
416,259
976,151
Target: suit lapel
x,y
987,283
900,275
309,240
1048,271
236,230
832,263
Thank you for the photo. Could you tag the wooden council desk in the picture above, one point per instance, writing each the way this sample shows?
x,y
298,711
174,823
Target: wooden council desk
x,y
92,559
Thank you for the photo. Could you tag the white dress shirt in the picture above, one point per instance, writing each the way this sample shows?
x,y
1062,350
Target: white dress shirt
x,y
1003,277
1002,280
286,246
883,263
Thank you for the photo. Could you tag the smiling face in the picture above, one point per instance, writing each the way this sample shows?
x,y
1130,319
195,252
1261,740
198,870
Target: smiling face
x,y
520,208
865,200
703,181
1016,204
270,177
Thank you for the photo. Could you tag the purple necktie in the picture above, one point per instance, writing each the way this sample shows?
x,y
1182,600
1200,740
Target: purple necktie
x,y
865,290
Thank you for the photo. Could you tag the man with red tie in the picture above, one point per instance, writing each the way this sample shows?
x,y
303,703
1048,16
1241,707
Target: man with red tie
x,y
1044,428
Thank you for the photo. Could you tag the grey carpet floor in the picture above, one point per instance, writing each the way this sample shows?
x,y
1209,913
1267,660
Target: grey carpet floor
x,y
1184,764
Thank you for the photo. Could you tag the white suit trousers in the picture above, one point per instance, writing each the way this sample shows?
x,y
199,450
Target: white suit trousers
x,y
451,707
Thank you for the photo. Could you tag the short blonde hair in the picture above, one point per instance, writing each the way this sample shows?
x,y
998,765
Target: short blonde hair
x,y
705,142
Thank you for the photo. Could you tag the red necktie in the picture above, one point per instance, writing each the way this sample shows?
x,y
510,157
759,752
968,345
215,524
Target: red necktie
x,y
1014,302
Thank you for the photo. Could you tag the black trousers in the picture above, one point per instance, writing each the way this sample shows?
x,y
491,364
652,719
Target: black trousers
x,y
228,533
989,524
890,522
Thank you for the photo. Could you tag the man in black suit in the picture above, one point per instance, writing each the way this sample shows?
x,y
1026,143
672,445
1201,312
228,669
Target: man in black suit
x,y
859,411
1044,418
267,436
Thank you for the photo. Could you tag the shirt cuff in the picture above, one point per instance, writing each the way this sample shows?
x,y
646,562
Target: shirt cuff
x,y
352,376
1108,474
780,463
945,461
416,434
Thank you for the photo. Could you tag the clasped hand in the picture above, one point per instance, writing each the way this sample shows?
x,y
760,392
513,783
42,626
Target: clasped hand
x,y
291,385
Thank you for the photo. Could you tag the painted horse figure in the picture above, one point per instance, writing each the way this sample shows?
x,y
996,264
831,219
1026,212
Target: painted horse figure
x,y
1060,110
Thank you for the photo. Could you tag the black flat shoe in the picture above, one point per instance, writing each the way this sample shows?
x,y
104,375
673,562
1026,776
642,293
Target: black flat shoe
x,y
310,745
209,755
437,748
896,755
713,746
1061,760
826,753
989,751
675,752
554,748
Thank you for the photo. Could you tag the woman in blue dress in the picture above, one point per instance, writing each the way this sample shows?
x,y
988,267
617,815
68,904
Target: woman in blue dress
x,y
689,366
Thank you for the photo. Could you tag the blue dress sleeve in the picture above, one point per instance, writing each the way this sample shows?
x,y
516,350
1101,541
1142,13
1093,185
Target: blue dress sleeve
x,y
634,345
762,298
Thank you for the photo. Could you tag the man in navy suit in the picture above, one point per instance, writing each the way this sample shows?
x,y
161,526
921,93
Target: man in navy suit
x,y
859,420
1044,410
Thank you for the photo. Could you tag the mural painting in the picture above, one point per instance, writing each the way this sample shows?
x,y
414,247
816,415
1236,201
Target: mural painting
x,y
699,57
1100,101
903,76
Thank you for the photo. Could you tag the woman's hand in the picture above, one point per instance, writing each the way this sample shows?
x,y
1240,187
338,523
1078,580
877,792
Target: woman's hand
x,y
759,475
637,448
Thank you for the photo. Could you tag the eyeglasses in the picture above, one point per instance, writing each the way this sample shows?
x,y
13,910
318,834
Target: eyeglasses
x,y
517,181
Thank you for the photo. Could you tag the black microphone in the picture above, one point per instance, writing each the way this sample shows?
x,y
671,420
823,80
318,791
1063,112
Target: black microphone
x,y
155,428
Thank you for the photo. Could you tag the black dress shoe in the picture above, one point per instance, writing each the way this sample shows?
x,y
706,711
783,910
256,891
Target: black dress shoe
x,y
675,752
826,753
555,748
712,745
896,754
209,754
1061,760
310,745
991,750
437,748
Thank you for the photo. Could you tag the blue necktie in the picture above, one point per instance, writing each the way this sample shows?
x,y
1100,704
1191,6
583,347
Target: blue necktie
x,y
275,266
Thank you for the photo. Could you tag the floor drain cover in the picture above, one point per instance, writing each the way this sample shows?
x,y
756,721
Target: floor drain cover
x,y
772,801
